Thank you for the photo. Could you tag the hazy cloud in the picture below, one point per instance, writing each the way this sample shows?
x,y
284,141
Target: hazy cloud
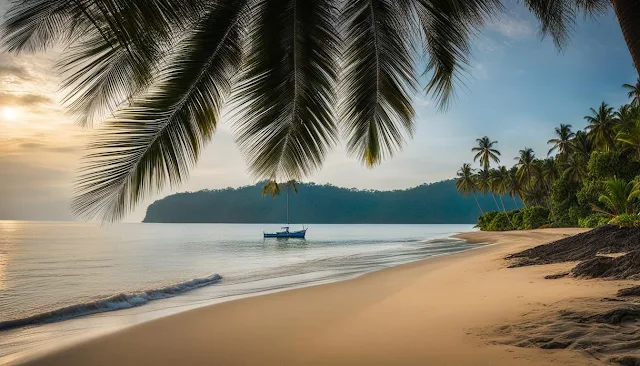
x,y
23,99
16,71
513,28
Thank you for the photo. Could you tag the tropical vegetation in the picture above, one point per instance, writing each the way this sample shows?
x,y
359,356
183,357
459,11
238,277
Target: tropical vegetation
x,y
292,73
434,203
589,177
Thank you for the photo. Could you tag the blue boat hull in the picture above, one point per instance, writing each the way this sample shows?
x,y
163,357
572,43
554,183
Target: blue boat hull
x,y
287,234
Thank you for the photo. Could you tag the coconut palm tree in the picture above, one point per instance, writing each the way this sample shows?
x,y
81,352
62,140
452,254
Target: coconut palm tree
x,y
500,183
162,71
633,92
549,172
562,143
515,187
485,152
575,168
466,183
626,116
620,198
483,182
601,126
527,170
629,139
581,144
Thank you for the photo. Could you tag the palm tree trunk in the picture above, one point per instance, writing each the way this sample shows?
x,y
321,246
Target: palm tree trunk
x,y
515,202
628,13
502,202
478,203
496,201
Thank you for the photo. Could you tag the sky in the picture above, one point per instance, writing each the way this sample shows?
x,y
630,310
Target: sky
x,y
518,89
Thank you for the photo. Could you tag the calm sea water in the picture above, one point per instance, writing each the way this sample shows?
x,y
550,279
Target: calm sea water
x,y
61,281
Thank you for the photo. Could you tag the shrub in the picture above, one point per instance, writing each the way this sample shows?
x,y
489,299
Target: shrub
x,y
626,220
563,197
594,220
484,221
607,164
500,222
534,217
517,220
604,220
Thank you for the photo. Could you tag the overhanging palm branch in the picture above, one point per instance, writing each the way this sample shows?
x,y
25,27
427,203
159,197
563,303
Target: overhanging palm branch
x,y
144,62
147,145
286,122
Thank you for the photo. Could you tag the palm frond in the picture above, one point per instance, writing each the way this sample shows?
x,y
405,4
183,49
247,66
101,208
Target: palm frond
x,y
378,81
448,26
157,138
285,125
557,18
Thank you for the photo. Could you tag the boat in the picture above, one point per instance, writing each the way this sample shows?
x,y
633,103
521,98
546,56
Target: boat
x,y
285,233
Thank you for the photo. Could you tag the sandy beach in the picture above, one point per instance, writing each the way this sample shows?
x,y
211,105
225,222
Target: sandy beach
x,y
443,311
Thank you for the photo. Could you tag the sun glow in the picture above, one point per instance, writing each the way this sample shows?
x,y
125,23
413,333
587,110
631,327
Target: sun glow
x,y
9,114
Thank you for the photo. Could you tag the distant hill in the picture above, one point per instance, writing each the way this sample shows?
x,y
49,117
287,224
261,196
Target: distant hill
x,y
436,203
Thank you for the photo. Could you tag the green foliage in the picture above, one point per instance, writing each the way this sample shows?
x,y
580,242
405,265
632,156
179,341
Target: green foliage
x,y
563,197
590,191
593,220
534,217
436,203
626,220
608,164
484,221
500,222
517,219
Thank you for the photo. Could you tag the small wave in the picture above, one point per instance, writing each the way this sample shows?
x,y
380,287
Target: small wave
x,y
111,303
448,240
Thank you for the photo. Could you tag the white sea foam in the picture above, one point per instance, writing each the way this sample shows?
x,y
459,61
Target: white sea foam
x,y
111,303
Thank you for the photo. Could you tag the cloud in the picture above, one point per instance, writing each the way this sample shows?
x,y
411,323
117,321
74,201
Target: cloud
x,y
15,71
49,148
24,99
513,28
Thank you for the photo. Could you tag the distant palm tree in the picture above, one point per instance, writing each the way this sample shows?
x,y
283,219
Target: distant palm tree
x,y
575,167
515,188
527,170
483,182
562,143
634,92
601,126
549,172
581,144
500,183
486,152
466,183
629,138
626,117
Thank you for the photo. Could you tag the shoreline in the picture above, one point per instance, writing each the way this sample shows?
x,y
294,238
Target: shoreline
x,y
415,313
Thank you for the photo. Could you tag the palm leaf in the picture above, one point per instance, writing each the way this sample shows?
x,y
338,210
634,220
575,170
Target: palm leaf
x,y
378,80
285,125
447,26
159,136
557,17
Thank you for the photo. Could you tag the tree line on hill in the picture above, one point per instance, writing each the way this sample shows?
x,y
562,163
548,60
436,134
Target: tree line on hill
x,y
436,203
593,178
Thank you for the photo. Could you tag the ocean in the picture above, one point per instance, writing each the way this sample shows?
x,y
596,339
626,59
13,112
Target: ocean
x,y
65,281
